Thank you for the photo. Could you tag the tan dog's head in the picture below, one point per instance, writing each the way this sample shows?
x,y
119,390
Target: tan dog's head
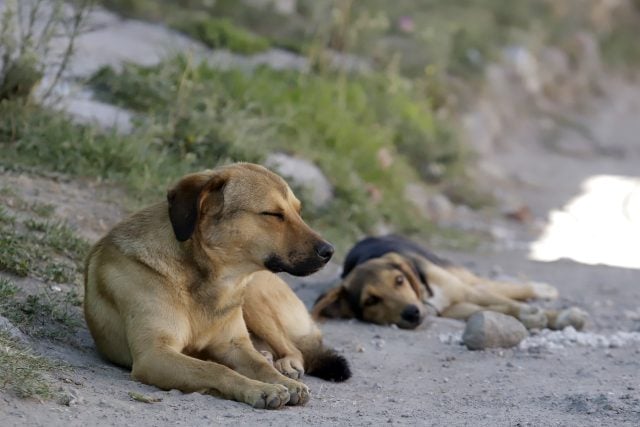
x,y
383,290
245,214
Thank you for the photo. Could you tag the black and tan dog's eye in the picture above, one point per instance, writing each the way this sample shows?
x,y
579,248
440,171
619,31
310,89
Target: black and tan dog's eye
x,y
399,281
372,300
278,215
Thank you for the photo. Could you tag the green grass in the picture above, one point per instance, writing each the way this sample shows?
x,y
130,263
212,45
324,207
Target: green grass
x,y
196,117
47,314
342,123
47,251
221,33
193,20
24,373
458,37
32,244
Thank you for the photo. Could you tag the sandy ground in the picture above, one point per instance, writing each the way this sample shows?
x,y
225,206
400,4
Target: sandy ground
x,y
400,377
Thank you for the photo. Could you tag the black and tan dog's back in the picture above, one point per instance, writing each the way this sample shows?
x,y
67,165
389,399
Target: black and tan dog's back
x,y
165,290
393,280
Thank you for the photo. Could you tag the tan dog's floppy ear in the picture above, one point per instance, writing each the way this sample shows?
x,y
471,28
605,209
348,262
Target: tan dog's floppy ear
x,y
332,305
185,201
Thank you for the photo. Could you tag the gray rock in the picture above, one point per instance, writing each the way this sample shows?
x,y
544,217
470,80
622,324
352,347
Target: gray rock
x,y
12,330
489,329
302,173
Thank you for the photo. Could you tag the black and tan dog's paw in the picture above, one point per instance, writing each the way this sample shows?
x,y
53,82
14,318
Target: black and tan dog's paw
x,y
572,316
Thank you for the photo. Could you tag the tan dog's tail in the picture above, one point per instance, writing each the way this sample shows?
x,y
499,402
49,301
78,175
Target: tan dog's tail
x,y
326,363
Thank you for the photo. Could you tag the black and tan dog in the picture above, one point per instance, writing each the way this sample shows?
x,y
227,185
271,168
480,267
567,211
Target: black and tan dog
x,y
174,290
392,280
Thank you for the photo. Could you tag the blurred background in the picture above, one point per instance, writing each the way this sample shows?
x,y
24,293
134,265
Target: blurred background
x,y
462,122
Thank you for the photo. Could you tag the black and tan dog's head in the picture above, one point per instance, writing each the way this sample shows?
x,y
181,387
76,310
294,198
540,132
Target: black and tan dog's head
x,y
246,213
385,290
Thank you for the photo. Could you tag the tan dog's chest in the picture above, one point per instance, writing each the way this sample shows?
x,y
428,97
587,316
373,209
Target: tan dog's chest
x,y
214,316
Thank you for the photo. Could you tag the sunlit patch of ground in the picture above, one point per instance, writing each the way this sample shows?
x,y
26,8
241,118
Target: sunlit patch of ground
x,y
600,226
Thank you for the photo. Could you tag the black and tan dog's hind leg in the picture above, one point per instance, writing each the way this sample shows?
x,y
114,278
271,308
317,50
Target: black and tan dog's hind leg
x,y
281,326
525,291
463,294
522,291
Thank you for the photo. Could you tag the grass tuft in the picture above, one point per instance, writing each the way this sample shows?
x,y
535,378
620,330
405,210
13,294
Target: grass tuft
x,y
23,372
221,34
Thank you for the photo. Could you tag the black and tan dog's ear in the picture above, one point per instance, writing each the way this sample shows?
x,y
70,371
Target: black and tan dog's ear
x,y
409,268
187,197
332,305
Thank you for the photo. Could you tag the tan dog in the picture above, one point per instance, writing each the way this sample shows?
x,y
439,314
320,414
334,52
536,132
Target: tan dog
x,y
164,288
392,280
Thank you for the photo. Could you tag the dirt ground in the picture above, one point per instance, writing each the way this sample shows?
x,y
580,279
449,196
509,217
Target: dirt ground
x,y
400,377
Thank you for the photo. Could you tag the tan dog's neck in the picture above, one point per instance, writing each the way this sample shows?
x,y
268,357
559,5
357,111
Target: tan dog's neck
x,y
213,272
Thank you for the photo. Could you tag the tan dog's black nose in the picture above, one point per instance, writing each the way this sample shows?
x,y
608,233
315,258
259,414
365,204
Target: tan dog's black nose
x,y
325,251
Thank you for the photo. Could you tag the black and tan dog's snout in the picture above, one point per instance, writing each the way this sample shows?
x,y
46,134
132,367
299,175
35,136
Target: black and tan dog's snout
x,y
412,316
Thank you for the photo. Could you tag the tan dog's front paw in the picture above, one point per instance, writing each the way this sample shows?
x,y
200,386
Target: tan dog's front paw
x,y
298,392
290,367
268,396
533,317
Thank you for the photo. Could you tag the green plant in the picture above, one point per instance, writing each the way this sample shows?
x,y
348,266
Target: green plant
x,y
221,33
23,372
343,123
27,30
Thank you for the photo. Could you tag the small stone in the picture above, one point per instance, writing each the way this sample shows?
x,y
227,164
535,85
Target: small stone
x,y
489,329
303,173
